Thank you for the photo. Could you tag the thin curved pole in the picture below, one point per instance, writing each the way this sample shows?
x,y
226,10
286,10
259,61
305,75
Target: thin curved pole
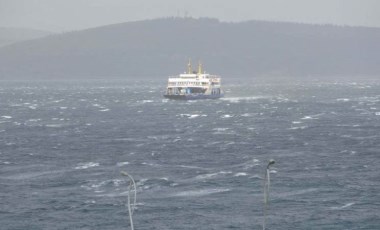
x,y
132,185
266,191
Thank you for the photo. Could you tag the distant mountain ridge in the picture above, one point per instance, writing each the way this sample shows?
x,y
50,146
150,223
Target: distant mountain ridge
x,y
159,47
9,35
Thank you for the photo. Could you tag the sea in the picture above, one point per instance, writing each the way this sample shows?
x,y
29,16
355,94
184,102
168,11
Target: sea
x,y
197,164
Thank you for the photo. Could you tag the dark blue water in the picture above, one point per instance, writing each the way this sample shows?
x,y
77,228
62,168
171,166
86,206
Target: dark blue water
x,y
197,164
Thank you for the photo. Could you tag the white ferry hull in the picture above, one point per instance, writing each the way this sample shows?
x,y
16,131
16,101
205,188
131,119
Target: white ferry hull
x,y
193,96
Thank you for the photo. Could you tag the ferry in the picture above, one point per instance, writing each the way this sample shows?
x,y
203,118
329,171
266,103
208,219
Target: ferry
x,y
193,85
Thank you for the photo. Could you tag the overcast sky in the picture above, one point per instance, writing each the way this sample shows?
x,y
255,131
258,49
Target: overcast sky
x,y
65,15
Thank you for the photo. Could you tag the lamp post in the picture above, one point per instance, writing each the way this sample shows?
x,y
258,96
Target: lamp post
x,y
266,191
132,186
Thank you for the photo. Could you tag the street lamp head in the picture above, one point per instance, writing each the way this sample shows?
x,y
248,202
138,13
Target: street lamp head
x,y
124,173
271,162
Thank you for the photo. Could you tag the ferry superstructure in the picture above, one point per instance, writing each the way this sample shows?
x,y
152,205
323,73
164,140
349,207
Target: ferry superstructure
x,y
194,85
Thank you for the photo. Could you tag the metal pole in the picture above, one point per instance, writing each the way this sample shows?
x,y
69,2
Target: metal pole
x,y
132,184
266,191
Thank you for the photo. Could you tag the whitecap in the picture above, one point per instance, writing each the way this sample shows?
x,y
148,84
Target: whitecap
x,y
190,166
98,185
220,129
114,182
226,116
193,116
300,127
246,115
211,175
206,176
54,125
122,163
147,101
34,120
343,99
297,192
90,202
343,207
224,132
240,174
202,192
6,117
250,164
238,99
150,164
190,116
176,140
117,182
104,110
86,165
377,113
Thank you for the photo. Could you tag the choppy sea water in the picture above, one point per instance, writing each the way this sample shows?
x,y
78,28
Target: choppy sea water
x,y
197,164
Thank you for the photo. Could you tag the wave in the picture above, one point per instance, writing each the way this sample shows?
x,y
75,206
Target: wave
x,y
122,163
151,164
296,193
190,167
202,192
86,165
226,116
240,174
239,99
192,116
211,175
54,125
300,127
343,207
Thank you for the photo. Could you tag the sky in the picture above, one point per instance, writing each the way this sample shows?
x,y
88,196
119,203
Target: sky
x,y
68,15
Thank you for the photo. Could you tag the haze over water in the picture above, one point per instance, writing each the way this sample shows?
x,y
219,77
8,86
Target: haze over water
x,y
197,164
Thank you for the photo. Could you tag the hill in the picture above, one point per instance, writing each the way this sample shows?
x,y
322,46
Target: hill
x,y
160,47
10,35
